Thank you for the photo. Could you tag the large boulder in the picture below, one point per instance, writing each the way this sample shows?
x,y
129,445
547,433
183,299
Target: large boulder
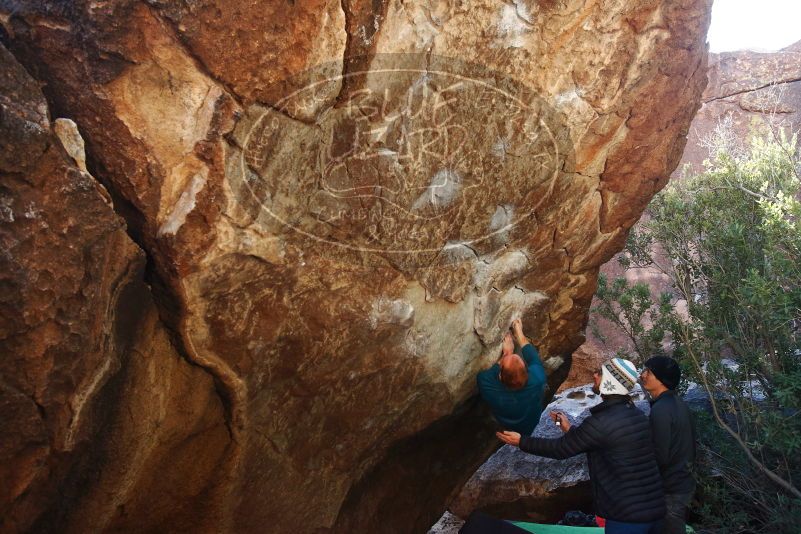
x,y
343,205
100,414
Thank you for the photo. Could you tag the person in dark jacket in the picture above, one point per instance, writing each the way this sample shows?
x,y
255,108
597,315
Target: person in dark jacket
x,y
626,487
514,385
674,438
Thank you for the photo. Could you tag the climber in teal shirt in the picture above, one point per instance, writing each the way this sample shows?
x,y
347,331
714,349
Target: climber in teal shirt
x,y
514,386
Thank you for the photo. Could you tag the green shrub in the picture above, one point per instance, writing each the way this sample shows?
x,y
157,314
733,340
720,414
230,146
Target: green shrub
x,y
729,241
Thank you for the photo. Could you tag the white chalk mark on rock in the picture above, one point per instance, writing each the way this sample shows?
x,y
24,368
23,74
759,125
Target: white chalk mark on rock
x,y
513,25
386,311
67,132
445,186
184,205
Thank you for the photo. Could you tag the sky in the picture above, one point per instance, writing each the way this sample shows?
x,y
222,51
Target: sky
x,y
764,25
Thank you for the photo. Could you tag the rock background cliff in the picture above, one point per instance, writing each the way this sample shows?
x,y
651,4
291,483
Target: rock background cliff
x,y
748,93
216,327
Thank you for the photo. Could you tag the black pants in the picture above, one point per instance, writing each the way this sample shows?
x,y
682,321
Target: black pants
x,y
677,507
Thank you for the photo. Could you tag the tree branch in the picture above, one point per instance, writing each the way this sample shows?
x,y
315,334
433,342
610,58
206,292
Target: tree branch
x,y
779,481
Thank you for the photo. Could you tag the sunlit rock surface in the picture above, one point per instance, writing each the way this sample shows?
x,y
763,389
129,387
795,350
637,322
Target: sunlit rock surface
x,y
342,205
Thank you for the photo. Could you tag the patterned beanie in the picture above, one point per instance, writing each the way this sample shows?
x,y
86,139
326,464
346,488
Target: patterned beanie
x,y
618,377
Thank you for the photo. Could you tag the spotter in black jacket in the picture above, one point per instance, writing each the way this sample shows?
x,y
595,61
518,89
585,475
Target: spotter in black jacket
x,y
626,485
674,442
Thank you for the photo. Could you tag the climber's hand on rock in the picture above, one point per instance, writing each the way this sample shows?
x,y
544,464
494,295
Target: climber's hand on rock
x,y
517,326
517,330
561,420
508,346
510,438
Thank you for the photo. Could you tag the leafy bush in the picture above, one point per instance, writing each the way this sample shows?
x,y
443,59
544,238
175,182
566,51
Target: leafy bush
x,y
729,241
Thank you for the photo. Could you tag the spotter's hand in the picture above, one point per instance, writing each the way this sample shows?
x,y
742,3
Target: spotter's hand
x,y
510,438
560,419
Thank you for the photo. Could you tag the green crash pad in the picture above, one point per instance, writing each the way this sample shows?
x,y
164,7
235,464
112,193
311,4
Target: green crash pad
x,y
537,528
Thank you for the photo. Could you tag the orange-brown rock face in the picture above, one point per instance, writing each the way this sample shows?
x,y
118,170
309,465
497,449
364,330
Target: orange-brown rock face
x,y
748,93
343,207
99,412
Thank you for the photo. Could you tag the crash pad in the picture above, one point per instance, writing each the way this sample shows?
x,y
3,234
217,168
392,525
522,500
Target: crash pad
x,y
538,528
